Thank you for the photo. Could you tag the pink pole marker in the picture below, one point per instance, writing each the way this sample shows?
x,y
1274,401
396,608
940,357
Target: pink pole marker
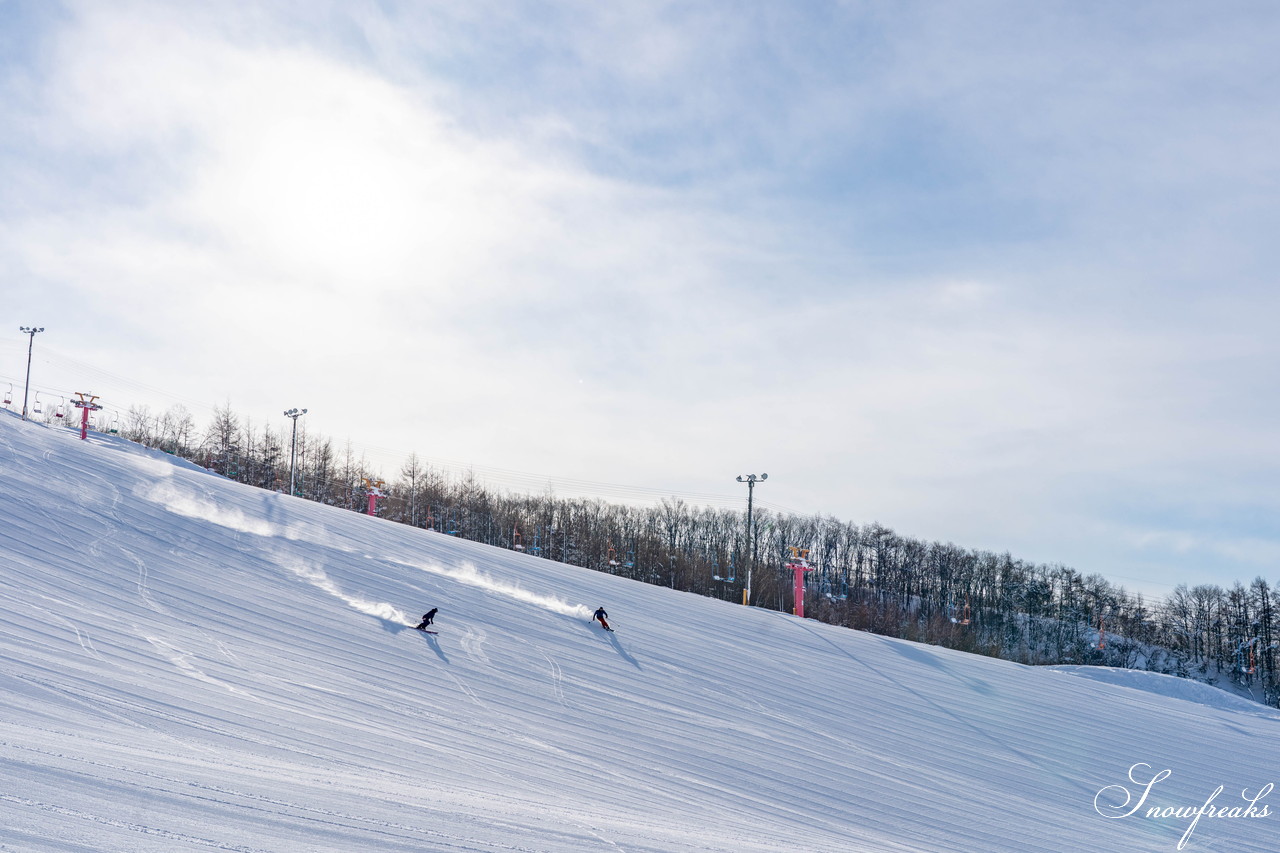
x,y
799,565
375,491
85,404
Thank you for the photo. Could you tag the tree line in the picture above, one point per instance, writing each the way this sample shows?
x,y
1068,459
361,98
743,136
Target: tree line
x,y
866,577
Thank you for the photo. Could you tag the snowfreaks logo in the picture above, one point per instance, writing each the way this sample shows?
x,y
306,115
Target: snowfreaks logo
x,y
1128,808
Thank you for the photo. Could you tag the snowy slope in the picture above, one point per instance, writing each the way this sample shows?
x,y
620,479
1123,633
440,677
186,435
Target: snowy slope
x,y
188,664
1168,685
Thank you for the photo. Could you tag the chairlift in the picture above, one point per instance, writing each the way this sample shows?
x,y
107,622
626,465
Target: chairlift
x,y
1246,659
536,548
8,395
733,572
451,523
62,408
115,419
1102,632
834,590
516,544
612,560
960,616
36,408
630,562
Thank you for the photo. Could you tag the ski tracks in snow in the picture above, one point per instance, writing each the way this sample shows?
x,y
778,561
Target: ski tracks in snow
x,y
473,644
182,660
557,676
83,638
471,694
49,615
115,823
398,835
960,722
102,705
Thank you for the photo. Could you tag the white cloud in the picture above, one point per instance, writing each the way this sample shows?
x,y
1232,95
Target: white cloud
x,y
637,245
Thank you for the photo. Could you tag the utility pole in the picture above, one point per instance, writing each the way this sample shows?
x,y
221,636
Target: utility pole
x,y
30,332
750,480
293,445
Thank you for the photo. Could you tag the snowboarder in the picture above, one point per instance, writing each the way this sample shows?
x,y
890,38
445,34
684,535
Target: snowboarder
x,y
427,619
601,616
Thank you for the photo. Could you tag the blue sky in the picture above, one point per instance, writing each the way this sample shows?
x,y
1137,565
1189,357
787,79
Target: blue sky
x,y
994,273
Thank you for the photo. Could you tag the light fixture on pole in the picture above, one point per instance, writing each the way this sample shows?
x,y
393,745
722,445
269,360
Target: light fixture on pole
x,y
30,331
293,445
750,480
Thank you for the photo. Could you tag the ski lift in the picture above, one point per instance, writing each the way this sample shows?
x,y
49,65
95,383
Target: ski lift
x,y
451,524
61,409
1102,632
36,408
612,557
113,429
8,395
1246,660
516,544
732,571
960,616
536,548
630,562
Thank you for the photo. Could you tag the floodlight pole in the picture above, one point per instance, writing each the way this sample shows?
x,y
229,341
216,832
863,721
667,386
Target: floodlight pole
x,y
30,332
293,445
750,480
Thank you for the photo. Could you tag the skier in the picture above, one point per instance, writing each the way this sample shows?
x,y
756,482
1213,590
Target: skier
x,y
601,616
427,619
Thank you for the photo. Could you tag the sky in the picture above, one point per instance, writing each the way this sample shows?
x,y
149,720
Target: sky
x,y
987,273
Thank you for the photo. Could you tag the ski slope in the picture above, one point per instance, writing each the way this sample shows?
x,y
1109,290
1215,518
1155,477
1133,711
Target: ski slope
x,y
189,664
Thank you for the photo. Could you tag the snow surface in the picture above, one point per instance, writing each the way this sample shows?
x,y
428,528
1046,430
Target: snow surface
x,y
189,664
1171,685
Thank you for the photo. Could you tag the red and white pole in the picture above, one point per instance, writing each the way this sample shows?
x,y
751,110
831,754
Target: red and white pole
x,y
85,404
375,492
799,565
